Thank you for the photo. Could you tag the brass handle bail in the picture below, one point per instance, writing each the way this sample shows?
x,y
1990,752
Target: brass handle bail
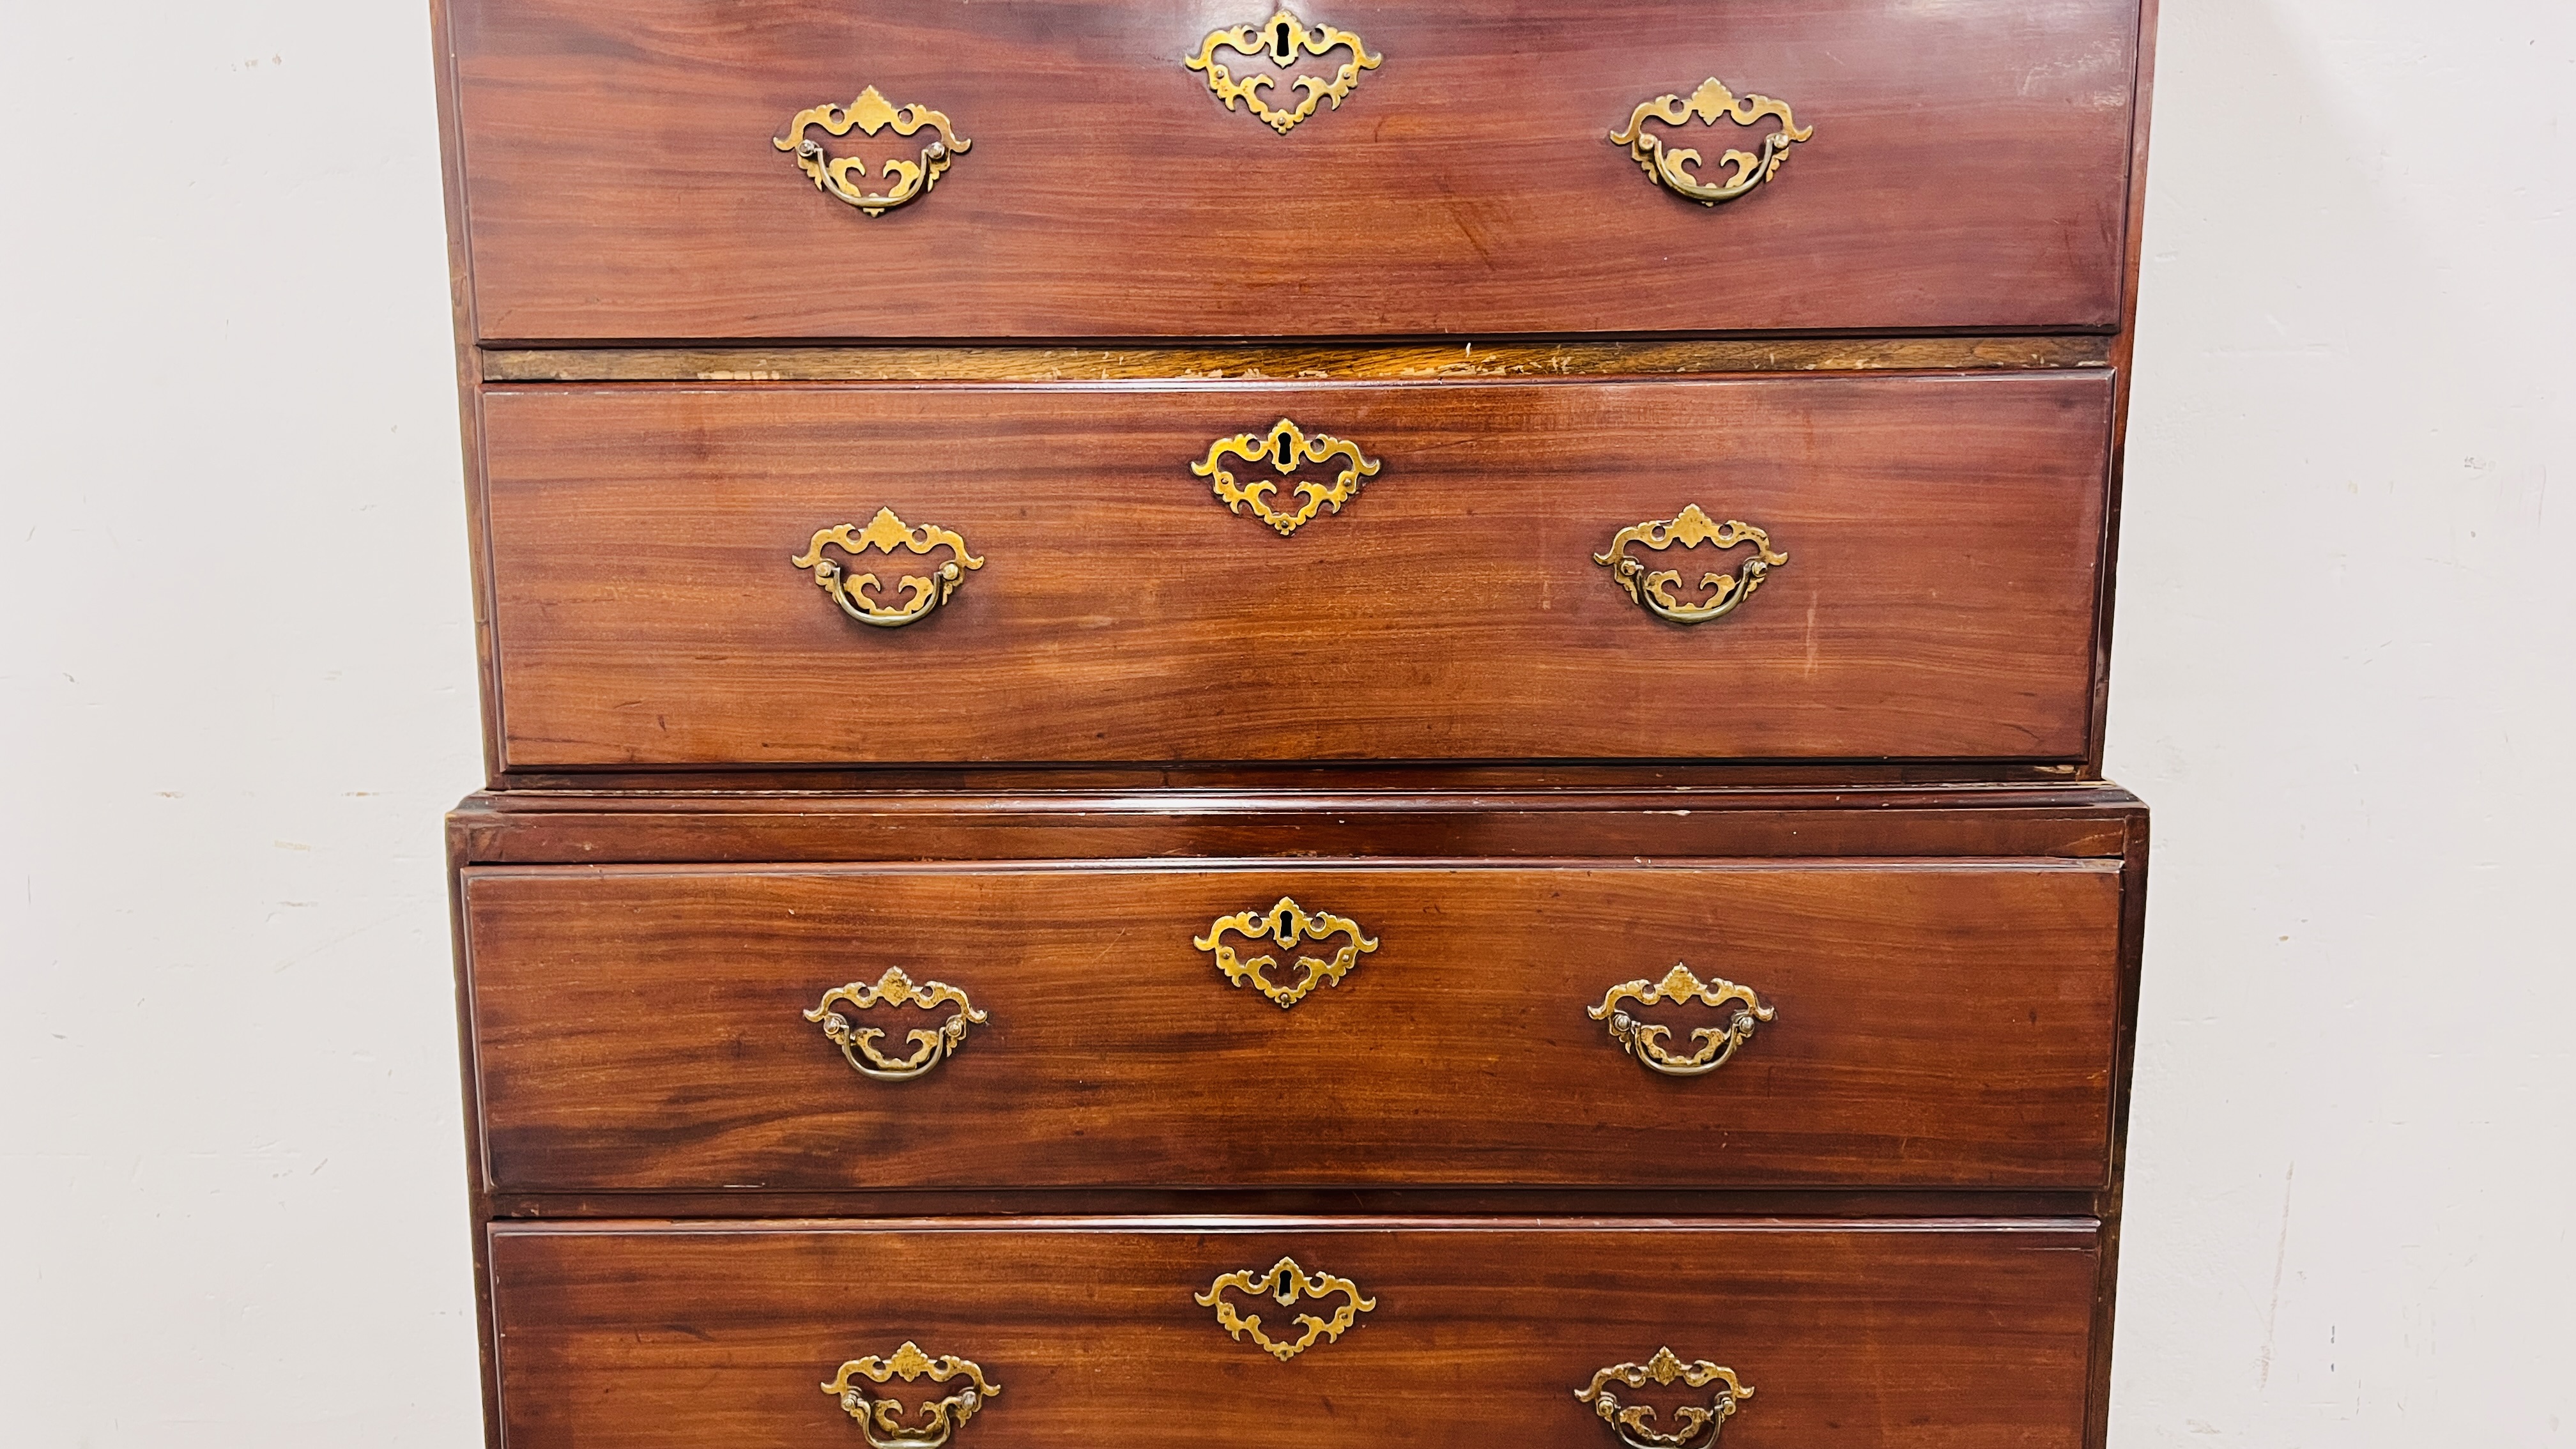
x,y
858,1043
1653,590
1711,103
845,177
881,1419
1635,1424
885,533
1715,1046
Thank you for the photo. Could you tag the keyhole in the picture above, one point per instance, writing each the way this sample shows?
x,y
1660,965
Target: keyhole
x,y
1283,46
1284,451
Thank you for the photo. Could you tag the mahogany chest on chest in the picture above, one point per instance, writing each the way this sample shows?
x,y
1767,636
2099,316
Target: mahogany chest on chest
x,y
1374,726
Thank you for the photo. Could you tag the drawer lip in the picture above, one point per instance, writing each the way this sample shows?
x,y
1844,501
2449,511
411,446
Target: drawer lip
x,y
2009,155
1941,602
630,1028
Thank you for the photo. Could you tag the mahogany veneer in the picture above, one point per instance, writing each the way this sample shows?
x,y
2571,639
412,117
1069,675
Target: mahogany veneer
x,y
1943,537
1868,799
1970,170
1963,1335
1941,1023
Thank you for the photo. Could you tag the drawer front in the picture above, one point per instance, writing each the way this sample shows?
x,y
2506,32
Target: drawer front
x,y
1965,166
1850,1335
1844,1023
1439,591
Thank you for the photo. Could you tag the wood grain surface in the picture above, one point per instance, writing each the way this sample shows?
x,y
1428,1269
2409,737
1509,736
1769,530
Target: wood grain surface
x,y
1968,171
1861,1336
1944,536
1939,1024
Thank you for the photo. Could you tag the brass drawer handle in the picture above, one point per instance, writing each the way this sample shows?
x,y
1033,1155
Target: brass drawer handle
x,y
1286,923
1654,591
885,533
1284,448
1645,1041
867,115
1635,1425
1279,39
1711,103
1285,1284
895,988
881,1420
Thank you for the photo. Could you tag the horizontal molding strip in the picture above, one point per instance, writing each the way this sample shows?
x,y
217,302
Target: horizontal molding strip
x,y
1353,362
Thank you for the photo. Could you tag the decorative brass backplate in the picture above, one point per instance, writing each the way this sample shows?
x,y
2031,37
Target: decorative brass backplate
x,y
1285,447
881,1420
1711,103
894,988
1286,1283
869,114
884,533
1281,38
1690,530
1286,923
1645,1041
1634,1425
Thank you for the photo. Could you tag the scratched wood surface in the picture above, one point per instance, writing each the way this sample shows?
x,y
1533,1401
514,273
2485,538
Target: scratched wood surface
x,y
1944,537
1968,171
1393,362
1862,1336
1938,1024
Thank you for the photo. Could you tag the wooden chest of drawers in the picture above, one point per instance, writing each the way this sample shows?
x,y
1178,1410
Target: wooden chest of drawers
x,y
1368,727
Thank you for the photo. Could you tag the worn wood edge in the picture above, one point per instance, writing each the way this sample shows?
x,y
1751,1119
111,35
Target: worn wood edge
x,y
1111,866
1373,776
1354,362
2124,345
2124,1066
2108,1206
2088,797
461,302
1199,1203
1191,1224
515,830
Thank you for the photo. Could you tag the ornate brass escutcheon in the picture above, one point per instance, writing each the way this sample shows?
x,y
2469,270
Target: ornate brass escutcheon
x,y
1286,1283
1285,448
895,988
1711,103
1280,39
885,533
1655,590
881,1420
845,177
1645,1041
1635,1424
1286,923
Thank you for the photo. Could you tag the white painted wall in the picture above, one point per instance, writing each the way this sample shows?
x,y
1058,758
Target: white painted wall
x,y
236,680
236,695
2346,679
